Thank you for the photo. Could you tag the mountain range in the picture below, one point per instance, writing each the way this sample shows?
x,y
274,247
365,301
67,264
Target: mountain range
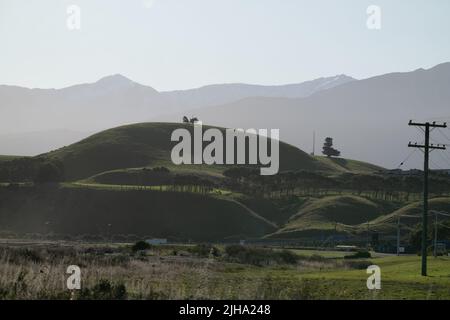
x,y
34,121
367,118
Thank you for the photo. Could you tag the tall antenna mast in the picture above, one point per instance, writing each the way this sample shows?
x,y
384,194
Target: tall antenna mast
x,y
314,143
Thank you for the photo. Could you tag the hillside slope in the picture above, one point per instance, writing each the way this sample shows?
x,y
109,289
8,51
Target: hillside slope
x,y
77,211
147,144
410,214
346,165
329,214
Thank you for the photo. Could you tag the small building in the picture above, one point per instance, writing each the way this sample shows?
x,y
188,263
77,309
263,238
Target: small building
x,y
156,241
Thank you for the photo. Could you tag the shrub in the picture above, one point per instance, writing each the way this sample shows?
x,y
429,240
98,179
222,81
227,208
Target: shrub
x,y
359,255
104,290
317,258
205,250
288,257
49,171
358,264
259,256
140,246
21,255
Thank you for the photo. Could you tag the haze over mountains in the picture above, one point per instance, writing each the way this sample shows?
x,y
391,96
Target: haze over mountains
x,y
367,118
36,120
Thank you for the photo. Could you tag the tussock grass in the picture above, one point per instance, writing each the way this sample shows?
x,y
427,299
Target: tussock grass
x,y
161,272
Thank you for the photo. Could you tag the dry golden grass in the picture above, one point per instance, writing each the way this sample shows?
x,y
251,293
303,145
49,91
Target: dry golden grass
x,y
39,272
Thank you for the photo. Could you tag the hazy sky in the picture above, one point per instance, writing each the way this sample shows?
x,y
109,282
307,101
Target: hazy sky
x,y
177,44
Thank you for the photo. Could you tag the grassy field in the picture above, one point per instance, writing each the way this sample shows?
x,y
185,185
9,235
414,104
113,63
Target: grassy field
x,y
400,279
114,271
347,165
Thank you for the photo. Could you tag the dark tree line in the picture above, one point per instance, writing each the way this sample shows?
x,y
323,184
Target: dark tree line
x,y
247,180
159,176
37,170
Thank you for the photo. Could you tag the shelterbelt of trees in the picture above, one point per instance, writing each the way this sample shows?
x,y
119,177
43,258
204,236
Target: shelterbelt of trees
x,y
240,179
382,186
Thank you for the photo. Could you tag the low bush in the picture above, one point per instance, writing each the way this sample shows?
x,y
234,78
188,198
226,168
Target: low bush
x,y
358,264
359,255
104,290
259,256
205,250
140,246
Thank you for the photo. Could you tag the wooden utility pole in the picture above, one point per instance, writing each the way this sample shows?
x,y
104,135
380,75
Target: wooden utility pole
x,y
435,233
427,148
398,236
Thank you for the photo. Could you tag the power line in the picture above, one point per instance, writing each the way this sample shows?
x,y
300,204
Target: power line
x,y
446,160
439,118
446,155
440,212
407,158
436,166
443,134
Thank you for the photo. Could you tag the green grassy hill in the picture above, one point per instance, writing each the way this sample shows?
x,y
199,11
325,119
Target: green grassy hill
x,y
77,211
409,214
342,165
148,144
104,163
325,214
349,215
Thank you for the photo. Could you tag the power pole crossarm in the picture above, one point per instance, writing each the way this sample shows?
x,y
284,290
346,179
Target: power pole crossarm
x,y
432,124
431,146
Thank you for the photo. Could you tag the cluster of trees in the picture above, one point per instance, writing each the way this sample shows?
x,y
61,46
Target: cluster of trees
x,y
249,180
192,183
37,170
190,120
395,187
287,183
18,170
159,176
